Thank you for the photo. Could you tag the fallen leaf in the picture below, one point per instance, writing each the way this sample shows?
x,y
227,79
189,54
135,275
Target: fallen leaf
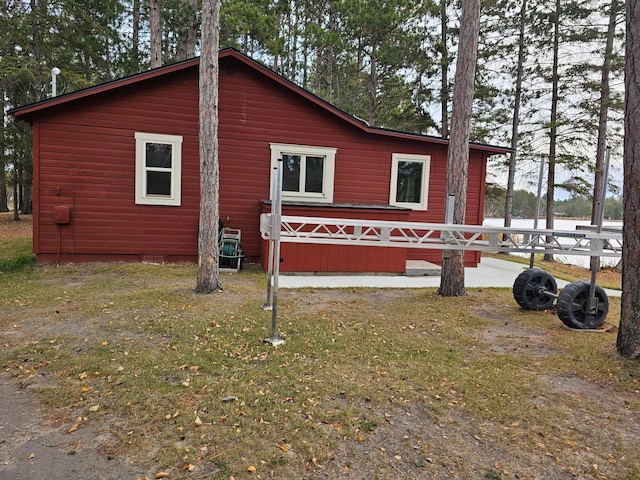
x,y
32,456
161,475
285,447
95,408
188,467
83,375
251,469
198,422
73,428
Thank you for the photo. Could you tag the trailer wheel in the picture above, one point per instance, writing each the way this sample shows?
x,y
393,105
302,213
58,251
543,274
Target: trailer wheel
x,y
573,306
530,287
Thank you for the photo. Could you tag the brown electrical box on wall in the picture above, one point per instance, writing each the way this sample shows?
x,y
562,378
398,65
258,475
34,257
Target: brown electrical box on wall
x,y
61,214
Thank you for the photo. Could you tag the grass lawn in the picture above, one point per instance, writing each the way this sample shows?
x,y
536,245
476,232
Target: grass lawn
x,y
370,383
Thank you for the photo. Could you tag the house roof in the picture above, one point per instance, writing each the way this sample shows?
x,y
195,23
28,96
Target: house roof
x,y
26,112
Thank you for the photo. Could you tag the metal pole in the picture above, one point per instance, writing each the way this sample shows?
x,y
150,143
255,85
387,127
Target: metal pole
x,y
276,220
274,193
595,261
55,71
538,202
449,208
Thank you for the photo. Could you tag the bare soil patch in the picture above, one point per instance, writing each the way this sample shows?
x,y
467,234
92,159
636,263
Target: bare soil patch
x,y
9,228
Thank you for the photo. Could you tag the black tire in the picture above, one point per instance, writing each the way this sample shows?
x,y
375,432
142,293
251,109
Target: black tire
x,y
573,306
529,288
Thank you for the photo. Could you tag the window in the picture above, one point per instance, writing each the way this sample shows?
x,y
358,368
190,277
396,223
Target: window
x,y
307,172
158,169
410,181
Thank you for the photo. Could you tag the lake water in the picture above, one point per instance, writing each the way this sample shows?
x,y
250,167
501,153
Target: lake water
x,y
559,224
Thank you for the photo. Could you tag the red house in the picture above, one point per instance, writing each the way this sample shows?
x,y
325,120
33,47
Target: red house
x,y
116,169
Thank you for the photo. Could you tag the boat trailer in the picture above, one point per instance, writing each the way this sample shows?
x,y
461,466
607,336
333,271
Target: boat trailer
x,y
580,305
533,289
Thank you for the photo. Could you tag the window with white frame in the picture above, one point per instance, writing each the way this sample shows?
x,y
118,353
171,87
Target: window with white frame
x,y
409,181
158,169
307,172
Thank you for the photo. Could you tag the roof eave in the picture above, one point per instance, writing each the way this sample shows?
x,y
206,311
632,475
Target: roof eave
x,y
27,111
24,112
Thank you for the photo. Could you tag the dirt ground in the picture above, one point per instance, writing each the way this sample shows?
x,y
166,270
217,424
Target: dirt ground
x,y
31,446
12,229
412,442
34,447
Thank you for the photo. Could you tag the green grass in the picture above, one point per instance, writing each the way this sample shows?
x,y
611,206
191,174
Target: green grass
x,y
15,254
179,378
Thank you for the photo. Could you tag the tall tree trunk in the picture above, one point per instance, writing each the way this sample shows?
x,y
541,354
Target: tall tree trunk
x,y
517,100
628,341
155,27
187,37
373,87
331,55
136,35
553,121
605,98
4,206
452,274
192,31
16,200
208,268
36,32
444,72
26,202
357,95
3,179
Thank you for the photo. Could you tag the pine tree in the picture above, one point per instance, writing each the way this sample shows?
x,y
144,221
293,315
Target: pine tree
x,y
452,274
628,341
208,267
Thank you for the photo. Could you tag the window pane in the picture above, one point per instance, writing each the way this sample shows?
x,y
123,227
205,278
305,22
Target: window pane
x,y
291,173
159,183
409,187
314,174
158,155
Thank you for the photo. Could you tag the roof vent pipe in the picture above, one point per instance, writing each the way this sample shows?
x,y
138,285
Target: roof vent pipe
x,y
55,71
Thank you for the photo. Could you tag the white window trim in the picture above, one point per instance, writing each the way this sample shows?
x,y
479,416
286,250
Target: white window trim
x,y
329,153
176,169
402,157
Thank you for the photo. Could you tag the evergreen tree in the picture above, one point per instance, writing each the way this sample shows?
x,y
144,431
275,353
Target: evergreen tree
x,y
452,274
207,275
628,342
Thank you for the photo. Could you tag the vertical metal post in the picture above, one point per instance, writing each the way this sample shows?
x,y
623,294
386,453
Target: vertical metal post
x,y
55,71
595,261
276,220
538,202
274,194
449,208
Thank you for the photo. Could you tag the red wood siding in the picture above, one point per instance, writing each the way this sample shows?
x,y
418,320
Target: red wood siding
x,y
267,113
85,151
87,162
